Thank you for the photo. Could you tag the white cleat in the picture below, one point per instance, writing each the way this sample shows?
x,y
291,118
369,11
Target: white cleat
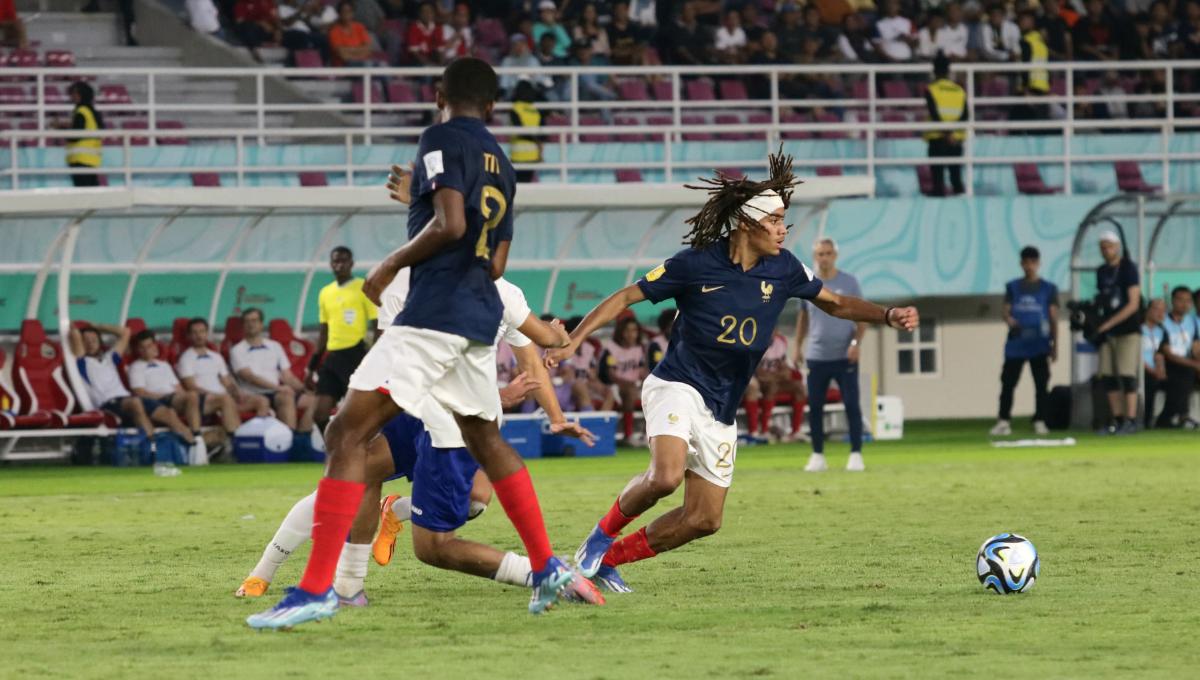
x,y
1002,428
1039,428
816,463
855,464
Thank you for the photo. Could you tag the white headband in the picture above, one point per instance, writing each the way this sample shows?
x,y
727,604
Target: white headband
x,y
766,203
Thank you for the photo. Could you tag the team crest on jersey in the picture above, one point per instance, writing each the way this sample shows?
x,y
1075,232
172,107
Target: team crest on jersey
x,y
672,418
656,273
767,289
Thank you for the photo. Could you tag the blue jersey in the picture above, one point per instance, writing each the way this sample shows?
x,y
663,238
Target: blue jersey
x,y
452,291
726,318
1030,305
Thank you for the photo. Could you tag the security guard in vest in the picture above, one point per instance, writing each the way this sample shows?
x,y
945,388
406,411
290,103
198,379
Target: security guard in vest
x,y
345,315
1034,51
84,152
947,103
524,114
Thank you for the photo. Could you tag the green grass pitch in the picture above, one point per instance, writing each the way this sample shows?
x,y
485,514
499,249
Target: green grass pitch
x,y
116,573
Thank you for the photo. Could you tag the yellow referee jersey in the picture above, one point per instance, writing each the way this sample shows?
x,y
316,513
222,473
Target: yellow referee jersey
x,y
347,311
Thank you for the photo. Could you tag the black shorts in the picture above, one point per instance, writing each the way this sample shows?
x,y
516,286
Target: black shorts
x,y
334,377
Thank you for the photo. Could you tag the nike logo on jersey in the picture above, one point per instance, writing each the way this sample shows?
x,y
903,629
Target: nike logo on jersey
x,y
709,289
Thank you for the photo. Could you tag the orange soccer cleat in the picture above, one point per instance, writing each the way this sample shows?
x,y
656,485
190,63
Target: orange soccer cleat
x,y
253,586
389,527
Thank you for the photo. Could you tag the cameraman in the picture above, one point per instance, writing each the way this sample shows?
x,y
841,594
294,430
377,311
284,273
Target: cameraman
x,y
1119,298
1031,312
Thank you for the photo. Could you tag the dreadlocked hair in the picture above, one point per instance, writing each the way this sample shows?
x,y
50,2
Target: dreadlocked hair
x,y
727,196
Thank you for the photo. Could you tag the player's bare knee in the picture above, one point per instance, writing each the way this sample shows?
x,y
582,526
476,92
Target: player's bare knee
x,y
703,524
429,549
662,483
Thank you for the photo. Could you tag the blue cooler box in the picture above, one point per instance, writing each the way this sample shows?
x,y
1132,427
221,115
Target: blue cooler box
x,y
252,450
524,433
603,424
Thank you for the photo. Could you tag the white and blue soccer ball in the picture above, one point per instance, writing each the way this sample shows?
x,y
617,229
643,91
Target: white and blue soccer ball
x,y
1007,563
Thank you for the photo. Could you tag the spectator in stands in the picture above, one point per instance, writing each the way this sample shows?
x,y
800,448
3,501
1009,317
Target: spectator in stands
x,y
895,33
592,86
1113,106
1095,35
644,13
1182,353
816,30
547,24
1119,293
754,24
262,367
525,148
203,370
1035,83
296,17
1000,39
955,37
1057,31
854,44
937,36
590,30
155,383
947,102
1188,33
691,42
789,31
457,38
623,367
520,56
12,29
658,346
730,43
350,44
203,17
84,152
425,37
759,86
1031,314
1154,366
546,57
626,40
98,368
257,23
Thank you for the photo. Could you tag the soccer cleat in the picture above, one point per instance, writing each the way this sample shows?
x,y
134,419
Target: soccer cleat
x,y
582,591
855,463
389,526
592,551
1039,427
295,608
816,463
548,584
1002,428
359,599
253,586
1127,427
608,578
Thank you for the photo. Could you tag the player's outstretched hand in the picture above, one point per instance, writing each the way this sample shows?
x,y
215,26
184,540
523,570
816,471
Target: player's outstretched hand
x,y
378,279
575,430
515,392
904,318
556,356
564,338
399,184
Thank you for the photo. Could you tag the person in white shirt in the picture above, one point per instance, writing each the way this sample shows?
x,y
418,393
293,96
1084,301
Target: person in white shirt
x,y
153,379
895,41
203,16
939,37
999,38
264,368
203,370
731,38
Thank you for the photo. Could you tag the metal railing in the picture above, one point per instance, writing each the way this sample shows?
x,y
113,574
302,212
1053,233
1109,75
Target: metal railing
x,y
370,122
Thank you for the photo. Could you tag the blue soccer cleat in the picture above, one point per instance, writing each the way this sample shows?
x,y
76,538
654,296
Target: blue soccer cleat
x,y
589,555
608,578
548,583
296,607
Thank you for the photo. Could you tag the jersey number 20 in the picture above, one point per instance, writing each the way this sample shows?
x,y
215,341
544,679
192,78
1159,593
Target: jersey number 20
x,y
747,330
492,216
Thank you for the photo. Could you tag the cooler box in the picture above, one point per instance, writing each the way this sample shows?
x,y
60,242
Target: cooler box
x,y
524,433
603,424
250,441
250,449
889,418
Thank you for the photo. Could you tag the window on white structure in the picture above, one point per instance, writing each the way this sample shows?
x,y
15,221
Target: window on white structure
x,y
919,353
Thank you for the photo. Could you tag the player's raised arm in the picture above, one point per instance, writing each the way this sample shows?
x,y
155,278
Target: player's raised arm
x,y
858,309
550,335
604,313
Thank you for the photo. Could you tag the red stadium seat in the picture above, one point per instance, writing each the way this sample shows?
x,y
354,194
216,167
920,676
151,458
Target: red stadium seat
x,y
629,175
233,334
633,89
894,117
1130,180
662,90
796,119
206,179
620,121
696,136
731,119
594,137
313,179
180,342
41,384
896,89
113,93
700,89
732,89
171,141
59,59
829,171
400,92
10,406
358,92
308,59
829,117
136,125
298,350
1029,180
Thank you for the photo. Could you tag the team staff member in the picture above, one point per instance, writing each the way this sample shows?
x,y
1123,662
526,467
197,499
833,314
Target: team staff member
x,y
1154,364
1119,294
947,102
1182,353
1031,312
264,368
345,314
832,354
84,152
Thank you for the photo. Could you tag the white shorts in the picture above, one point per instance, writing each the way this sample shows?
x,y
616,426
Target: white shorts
x,y
415,363
678,410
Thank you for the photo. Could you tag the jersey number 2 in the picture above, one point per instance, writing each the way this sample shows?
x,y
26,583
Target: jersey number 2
x,y
492,216
730,322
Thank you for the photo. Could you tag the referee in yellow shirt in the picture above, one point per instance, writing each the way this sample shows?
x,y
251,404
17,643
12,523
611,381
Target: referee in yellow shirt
x,y
346,315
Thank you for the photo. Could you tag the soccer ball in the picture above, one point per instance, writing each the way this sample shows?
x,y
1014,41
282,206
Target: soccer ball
x,y
1007,563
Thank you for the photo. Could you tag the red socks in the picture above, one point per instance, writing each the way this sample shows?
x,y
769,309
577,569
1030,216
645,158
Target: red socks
x,y
627,425
798,414
614,521
629,549
520,503
752,423
768,411
337,503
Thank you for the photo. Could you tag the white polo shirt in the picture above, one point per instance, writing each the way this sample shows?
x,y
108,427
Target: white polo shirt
x,y
103,381
156,377
266,361
206,369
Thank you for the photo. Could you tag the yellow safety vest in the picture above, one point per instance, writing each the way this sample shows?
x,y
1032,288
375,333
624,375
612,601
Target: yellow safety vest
x,y
524,149
950,100
85,151
1039,78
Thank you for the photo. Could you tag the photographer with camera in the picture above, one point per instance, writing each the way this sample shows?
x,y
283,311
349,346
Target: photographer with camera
x,y
1119,298
1031,312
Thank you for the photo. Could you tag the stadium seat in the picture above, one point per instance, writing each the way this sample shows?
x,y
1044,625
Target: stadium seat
x,y
1130,180
626,120
896,89
10,406
662,90
206,179
233,334
171,141
11,94
658,120
796,119
298,350
358,92
55,95
732,89
308,59
41,383
894,117
696,136
633,89
700,89
313,179
136,125
629,175
1029,180
22,59
731,119
829,117
400,91
829,171
594,137
59,59
113,93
